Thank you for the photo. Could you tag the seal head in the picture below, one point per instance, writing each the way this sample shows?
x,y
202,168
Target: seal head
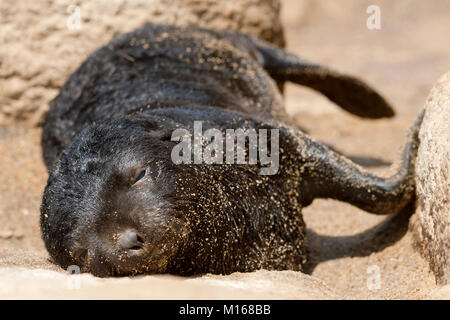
x,y
114,191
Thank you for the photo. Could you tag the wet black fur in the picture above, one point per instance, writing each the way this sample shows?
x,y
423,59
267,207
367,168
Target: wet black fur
x,y
114,118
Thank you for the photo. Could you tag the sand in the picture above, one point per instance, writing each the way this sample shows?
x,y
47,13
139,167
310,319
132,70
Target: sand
x,y
354,255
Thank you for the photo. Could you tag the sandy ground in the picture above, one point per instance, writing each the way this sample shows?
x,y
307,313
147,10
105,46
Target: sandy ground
x,y
349,249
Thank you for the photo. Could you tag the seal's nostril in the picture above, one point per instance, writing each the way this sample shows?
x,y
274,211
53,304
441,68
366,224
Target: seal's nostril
x,y
130,240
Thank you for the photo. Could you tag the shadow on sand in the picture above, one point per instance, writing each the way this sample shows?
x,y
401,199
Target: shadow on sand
x,y
375,239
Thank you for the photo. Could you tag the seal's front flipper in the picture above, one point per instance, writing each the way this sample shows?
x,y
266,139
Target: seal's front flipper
x,y
326,174
350,93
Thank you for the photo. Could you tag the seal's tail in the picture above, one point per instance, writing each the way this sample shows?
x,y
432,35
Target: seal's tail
x,y
352,94
331,175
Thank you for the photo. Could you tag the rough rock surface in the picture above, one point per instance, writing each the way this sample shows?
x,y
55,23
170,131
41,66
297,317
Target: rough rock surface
x,y
432,221
43,42
46,284
441,293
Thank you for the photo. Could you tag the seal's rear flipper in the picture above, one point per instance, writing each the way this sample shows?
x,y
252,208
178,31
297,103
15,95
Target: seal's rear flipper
x,y
350,93
327,174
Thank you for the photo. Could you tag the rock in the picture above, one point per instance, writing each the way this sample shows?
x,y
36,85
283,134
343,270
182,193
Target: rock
x,y
21,283
441,293
42,42
431,223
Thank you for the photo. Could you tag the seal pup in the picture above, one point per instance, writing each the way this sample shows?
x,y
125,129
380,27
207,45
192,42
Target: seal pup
x,y
117,204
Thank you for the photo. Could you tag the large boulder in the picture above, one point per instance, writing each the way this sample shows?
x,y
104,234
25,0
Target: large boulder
x,y
431,223
43,42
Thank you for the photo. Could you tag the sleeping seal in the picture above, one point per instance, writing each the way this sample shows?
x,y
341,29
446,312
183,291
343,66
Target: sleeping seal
x,y
117,204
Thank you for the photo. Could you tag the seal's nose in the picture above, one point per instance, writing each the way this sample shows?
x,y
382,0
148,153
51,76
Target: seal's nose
x,y
131,240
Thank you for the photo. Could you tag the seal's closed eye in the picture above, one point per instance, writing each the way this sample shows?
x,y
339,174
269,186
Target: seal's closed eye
x,y
140,176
